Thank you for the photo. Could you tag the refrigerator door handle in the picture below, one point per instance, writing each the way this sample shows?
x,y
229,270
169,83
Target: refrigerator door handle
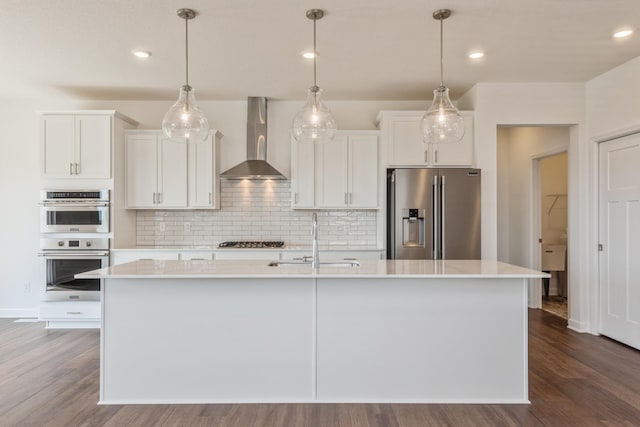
x,y
434,222
443,213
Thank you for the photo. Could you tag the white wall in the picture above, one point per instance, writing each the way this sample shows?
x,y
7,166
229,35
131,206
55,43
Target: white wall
x,y
532,104
553,213
613,107
20,173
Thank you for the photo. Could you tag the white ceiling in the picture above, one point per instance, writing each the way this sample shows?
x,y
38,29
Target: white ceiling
x,y
368,49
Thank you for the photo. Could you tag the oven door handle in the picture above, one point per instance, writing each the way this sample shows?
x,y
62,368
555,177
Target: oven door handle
x,y
77,255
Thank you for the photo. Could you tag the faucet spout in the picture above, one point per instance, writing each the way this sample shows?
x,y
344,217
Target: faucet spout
x,y
315,260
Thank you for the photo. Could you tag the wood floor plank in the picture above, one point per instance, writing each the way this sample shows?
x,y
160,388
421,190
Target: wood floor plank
x,y
50,378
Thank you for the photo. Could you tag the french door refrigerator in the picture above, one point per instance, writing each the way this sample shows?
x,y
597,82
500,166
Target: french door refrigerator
x,y
433,213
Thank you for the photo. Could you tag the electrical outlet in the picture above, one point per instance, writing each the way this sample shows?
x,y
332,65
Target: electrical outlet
x,y
27,287
161,227
187,226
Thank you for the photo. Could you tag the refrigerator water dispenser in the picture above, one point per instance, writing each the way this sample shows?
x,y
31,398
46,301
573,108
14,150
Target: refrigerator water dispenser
x,y
413,227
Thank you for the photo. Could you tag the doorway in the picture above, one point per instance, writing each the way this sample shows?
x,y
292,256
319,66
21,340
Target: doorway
x,y
520,150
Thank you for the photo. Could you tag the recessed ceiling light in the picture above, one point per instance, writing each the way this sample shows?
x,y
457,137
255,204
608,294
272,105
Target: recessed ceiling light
x,y
308,55
622,33
141,53
476,55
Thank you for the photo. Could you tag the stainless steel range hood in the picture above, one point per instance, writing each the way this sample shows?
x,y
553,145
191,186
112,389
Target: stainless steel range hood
x,y
256,166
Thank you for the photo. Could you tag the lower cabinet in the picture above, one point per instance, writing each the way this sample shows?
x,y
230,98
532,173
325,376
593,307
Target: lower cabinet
x,y
70,314
127,255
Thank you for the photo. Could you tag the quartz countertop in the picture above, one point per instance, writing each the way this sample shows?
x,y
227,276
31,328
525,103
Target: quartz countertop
x,y
282,249
161,269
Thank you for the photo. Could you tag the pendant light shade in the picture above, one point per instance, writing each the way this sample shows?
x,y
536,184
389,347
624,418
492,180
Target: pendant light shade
x,y
184,119
314,122
442,122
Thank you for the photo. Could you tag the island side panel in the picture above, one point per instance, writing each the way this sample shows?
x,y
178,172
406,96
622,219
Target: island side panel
x,y
422,340
207,340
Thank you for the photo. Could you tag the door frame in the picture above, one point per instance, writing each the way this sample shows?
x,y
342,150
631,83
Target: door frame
x,y
594,253
535,223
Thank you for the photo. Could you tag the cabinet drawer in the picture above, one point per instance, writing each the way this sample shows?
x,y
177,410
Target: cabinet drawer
x,y
70,310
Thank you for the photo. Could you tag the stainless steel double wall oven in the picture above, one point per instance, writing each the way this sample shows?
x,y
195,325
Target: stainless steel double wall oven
x,y
74,228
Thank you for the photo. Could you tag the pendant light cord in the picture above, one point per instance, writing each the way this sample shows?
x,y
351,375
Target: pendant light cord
x,y
441,49
315,53
186,50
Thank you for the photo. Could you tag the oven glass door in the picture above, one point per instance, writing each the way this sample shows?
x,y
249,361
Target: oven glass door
x,y
58,219
62,268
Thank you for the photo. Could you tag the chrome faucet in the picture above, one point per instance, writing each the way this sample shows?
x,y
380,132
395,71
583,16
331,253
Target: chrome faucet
x,y
315,261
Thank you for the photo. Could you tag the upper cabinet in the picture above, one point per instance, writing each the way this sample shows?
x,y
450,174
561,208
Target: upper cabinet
x,y
164,173
339,174
402,136
80,144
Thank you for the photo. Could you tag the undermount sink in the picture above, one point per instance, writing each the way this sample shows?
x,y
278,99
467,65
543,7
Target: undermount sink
x,y
345,263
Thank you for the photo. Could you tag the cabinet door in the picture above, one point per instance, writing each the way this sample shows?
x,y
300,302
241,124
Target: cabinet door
x,y
142,170
363,171
93,146
203,174
456,153
302,175
332,173
58,136
407,143
172,173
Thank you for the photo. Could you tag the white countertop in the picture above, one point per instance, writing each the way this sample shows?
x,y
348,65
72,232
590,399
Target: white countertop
x,y
282,249
157,269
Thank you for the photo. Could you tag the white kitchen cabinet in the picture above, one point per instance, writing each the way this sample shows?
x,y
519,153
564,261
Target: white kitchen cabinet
x,y
204,173
401,134
302,175
70,314
79,144
342,173
166,173
156,171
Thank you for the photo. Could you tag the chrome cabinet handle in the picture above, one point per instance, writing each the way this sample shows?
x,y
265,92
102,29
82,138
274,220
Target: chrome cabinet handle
x,y
159,198
350,201
346,202
77,168
70,168
426,155
154,198
435,156
74,312
210,198
295,198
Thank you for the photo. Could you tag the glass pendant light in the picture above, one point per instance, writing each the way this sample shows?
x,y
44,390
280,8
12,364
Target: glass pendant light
x,y
185,119
442,122
314,122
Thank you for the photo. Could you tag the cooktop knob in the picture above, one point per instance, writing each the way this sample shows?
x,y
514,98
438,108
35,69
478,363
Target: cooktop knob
x,y
88,243
61,243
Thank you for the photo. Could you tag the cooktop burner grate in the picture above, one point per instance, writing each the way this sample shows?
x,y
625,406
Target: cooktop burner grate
x,y
258,244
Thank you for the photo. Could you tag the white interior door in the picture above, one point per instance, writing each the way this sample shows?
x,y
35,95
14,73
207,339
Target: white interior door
x,y
619,181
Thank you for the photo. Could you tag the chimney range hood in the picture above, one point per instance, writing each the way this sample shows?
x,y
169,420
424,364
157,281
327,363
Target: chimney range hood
x,y
256,166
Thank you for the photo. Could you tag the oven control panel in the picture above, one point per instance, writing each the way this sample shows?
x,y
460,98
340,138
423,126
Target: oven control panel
x,y
61,244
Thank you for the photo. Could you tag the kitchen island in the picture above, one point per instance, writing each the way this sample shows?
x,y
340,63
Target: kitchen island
x,y
383,331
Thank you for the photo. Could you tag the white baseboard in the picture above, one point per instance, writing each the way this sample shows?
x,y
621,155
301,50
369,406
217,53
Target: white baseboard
x,y
10,313
582,327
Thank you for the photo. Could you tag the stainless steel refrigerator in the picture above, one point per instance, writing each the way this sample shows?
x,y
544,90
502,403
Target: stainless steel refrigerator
x,y
433,213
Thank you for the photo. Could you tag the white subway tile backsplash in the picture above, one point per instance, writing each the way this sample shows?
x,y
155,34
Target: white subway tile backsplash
x,y
254,210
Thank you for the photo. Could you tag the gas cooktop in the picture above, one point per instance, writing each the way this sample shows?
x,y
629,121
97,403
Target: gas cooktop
x,y
252,244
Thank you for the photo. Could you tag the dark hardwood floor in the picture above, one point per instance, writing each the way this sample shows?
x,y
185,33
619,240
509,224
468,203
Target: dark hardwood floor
x,y
50,378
